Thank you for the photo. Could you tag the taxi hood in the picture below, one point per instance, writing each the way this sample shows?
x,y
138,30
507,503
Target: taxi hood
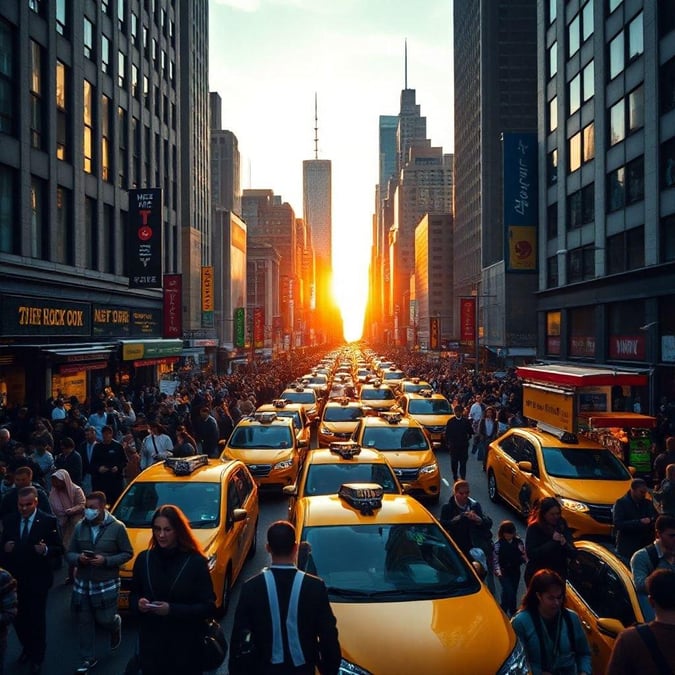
x,y
260,456
466,634
401,459
589,491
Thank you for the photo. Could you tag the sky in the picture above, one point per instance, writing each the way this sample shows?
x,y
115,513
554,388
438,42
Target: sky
x,y
268,59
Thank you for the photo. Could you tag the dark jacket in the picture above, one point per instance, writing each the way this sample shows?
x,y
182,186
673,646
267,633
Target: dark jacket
x,y
30,569
111,483
10,501
543,552
458,431
316,627
464,532
631,534
168,644
208,434
72,463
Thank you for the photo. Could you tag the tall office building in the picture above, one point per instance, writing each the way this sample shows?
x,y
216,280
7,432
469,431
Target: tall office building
x,y
388,156
495,57
92,106
225,162
607,196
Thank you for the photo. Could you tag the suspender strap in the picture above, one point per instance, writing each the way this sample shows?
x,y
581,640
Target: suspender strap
x,y
292,634
659,659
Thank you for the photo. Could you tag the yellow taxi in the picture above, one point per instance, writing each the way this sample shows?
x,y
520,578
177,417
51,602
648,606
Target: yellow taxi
x,y
326,469
431,410
407,449
405,579
339,419
267,444
306,397
377,396
219,499
413,385
294,411
392,376
601,591
525,464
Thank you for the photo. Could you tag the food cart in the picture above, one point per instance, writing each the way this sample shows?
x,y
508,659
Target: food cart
x,y
583,400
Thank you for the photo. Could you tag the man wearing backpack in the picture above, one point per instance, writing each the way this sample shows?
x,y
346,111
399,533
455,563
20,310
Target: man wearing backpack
x,y
659,555
649,649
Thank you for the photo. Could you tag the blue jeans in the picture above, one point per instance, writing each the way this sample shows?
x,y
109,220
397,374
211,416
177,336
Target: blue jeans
x,y
509,584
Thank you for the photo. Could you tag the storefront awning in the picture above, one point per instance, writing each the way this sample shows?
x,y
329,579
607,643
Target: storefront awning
x,y
92,351
620,420
582,376
135,350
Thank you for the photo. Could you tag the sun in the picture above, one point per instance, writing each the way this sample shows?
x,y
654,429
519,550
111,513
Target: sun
x,y
350,290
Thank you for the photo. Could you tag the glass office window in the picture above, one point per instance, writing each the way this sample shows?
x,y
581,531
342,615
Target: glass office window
x,y
88,119
105,138
36,85
10,239
552,221
617,122
615,189
635,180
667,85
588,203
552,10
636,40
588,142
61,111
616,56
553,114
105,54
667,156
573,31
575,93
612,5
588,81
636,109
575,152
552,167
574,210
553,59
7,79
88,38
587,21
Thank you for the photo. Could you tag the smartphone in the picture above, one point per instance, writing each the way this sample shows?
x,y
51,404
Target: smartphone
x,y
88,554
154,604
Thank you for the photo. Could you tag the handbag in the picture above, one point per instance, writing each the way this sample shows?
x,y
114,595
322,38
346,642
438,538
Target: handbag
x,y
214,645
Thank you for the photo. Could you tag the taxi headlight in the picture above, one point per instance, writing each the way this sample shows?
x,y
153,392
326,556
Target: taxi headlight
x,y
211,561
348,668
286,464
573,505
429,468
324,430
516,663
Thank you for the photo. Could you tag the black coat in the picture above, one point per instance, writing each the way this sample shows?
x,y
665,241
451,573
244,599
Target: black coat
x,y
543,552
168,644
458,432
631,534
316,626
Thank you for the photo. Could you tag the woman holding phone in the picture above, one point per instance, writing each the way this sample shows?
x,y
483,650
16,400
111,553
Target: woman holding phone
x,y
172,593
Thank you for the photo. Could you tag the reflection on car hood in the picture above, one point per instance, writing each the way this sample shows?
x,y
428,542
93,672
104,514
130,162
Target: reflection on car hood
x,y
590,491
402,459
468,634
260,455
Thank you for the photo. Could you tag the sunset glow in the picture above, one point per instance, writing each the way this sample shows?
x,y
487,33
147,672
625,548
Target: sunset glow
x,y
350,289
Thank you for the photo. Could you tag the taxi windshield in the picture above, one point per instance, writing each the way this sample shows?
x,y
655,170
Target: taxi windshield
x,y
387,562
300,396
317,379
394,438
260,437
326,479
583,463
376,394
429,406
200,502
412,388
291,414
342,413
393,375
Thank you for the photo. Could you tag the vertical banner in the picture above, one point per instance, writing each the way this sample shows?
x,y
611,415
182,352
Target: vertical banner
x,y
144,238
434,342
207,297
239,327
259,327
173,301
467,314
520,201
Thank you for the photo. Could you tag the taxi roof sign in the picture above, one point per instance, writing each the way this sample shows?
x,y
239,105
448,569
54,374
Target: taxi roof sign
x,y
391,417
265,417
279,402
346,449
427,393
366,497
184,466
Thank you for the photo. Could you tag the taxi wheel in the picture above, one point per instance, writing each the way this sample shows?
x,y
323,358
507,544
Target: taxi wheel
x,y
227,593
493,492
254,543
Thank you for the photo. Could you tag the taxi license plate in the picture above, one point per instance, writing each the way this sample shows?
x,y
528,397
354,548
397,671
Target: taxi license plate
x,y
123,601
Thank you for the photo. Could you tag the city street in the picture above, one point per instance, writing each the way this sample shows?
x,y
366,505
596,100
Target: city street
x,y
62,654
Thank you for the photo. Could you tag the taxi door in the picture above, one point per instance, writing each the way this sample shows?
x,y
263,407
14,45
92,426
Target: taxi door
x,y
239,534
526,485
505,467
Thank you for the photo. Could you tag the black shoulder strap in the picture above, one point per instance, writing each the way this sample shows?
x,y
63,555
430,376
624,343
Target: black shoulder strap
x,y
653,555
653,646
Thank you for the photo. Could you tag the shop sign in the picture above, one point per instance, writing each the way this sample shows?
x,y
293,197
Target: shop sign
x,y
467,313
627,347
25,316
144,238
72,370
581,345
146,350
207,296
173,300
111,321
239,327
434,342
639,455
146,322
549,406
259,327
155,362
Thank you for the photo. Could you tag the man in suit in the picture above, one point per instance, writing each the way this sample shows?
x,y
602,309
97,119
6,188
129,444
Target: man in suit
x,y
86,451
458,432
23,477
265,641
30,544
107,466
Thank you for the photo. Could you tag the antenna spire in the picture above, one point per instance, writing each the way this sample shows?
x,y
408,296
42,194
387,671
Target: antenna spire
x,y
405,65
316,129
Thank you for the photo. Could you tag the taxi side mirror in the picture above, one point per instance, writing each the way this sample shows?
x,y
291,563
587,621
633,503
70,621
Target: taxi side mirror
x,y
222,442
303,443
525,467
479,570
610,627
406,487
238,515
290,490
632,470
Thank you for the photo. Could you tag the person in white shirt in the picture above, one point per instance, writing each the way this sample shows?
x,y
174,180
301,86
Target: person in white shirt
x,y
156,447
475,416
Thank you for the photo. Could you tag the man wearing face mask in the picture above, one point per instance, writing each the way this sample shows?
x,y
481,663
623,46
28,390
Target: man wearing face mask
x,y
99,547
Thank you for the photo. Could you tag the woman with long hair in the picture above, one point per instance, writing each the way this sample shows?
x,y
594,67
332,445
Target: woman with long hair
x,y
173,595
553,638
548,540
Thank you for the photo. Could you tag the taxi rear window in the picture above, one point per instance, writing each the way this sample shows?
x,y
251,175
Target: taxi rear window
x,y
261,437
342,413
433,406
377,394
394,438
326,479
299,396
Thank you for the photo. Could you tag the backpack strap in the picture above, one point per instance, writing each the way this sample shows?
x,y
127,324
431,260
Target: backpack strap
x,y
653,555
653,646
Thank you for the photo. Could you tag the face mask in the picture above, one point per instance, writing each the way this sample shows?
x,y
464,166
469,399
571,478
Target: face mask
x,y
91,514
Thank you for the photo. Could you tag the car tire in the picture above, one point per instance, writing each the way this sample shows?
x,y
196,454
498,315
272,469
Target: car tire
x,y
254,543
493,491
227,594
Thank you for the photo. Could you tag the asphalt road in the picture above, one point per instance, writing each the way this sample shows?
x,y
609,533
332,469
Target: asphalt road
x,y
62,646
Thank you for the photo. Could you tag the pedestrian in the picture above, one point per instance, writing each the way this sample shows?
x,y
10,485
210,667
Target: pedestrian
x,y
30,546
98,419
476,412
658,555
207,432
185,444
99,547
156,446
67,501
107,466
70,460
86,452
284,623
23,477
486,432
553,637
649,649
663,459
173,595
8,610
634,516
665,495
508,557
464,520
548,540
458,432
133,465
